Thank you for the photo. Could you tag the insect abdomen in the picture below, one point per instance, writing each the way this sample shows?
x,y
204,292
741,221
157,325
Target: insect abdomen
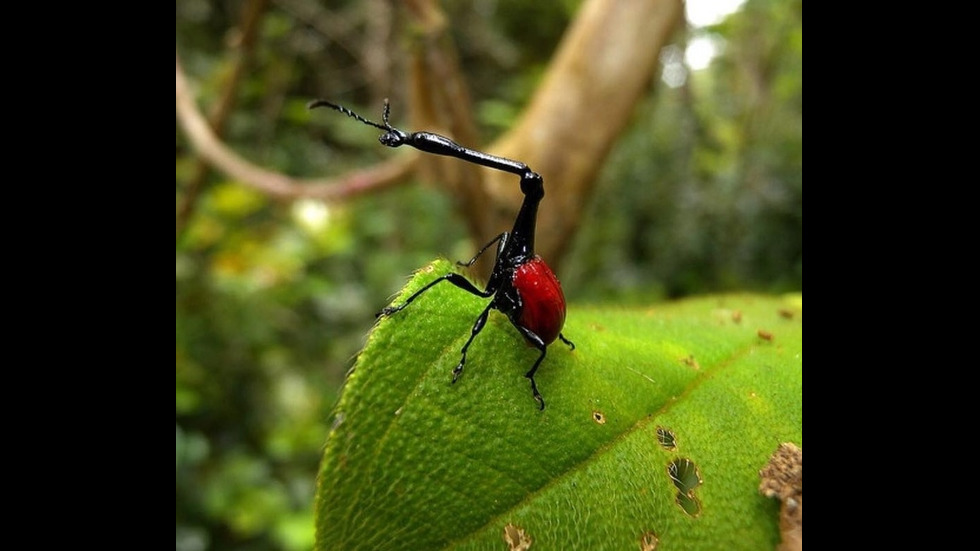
x,y
542,300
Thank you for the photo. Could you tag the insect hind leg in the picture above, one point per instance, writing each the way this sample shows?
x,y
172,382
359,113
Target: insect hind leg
x,y
571,345
536,342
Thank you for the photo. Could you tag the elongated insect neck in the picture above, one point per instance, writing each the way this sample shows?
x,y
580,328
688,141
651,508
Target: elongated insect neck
x,y
438,144
522,235
498,163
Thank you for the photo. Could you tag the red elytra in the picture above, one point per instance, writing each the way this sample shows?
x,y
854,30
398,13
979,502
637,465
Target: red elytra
x,y
542,301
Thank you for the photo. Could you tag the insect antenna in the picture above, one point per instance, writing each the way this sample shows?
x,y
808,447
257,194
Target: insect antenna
x,y
324,103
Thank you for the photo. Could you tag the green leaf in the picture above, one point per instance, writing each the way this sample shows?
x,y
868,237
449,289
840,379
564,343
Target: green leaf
x,y
656,427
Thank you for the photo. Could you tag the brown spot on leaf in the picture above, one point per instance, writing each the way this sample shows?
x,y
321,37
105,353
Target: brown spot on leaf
x,y
764,335
782,478
737,316
649,541
516,538
786,313
691,362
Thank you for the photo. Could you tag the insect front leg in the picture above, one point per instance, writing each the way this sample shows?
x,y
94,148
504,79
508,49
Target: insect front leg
x,y
502,238
455,279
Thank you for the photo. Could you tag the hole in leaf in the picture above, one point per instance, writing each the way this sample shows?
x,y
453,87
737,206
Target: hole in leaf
x,y
599,417
666,438
516,538
684,473
649,541
689,503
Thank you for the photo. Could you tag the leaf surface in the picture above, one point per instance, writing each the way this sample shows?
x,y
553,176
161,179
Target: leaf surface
x,y
656,426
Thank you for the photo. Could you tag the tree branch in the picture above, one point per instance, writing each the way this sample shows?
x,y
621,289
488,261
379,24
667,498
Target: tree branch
x,y
605,63
441,103
251,17
276,184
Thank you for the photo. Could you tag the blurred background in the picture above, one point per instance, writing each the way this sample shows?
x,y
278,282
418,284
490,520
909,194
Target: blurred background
x,y
701,193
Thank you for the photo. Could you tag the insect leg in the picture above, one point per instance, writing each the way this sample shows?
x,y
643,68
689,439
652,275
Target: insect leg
x,y
477,327
502,238
455,279
540,345
571,345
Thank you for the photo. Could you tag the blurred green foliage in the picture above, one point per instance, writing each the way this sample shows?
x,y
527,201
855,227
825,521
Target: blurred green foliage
x,y
703,193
